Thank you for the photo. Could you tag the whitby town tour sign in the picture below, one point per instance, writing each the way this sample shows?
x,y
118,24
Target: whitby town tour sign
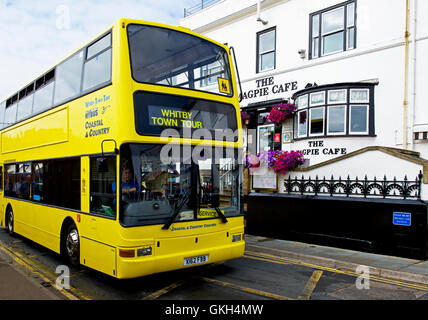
x,y
266,86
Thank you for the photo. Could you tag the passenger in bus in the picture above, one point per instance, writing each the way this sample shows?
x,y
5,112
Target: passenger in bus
x,y
157,184
9,188
17,185
25,188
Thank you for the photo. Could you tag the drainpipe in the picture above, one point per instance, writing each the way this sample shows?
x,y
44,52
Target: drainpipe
x,y
406,75
413,70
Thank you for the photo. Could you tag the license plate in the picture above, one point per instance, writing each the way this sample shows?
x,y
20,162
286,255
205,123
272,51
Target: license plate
x,y
195,260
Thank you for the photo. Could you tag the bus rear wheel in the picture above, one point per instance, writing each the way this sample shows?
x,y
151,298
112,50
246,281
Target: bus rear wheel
x,y
10,220
72,245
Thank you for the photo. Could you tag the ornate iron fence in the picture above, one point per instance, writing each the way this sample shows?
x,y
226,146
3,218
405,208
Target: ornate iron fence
x,y
383,188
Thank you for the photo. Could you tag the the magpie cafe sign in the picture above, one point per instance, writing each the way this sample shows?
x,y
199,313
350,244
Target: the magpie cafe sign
x,y
317,148
267,86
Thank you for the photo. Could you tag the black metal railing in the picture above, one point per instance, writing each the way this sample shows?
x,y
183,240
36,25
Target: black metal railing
x,y
383,188
201,5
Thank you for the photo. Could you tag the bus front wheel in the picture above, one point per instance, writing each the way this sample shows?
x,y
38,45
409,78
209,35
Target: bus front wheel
x,y
72,245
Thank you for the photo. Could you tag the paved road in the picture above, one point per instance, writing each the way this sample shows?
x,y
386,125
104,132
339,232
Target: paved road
x,y
256,276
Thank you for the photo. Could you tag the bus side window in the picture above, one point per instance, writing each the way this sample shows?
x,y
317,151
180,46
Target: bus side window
x,y
10,180
102,186
97,69
1,178
68,78
37,186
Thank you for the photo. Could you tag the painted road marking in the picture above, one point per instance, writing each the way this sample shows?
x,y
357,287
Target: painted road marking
x,y
311,285
161,292
245,289
266,259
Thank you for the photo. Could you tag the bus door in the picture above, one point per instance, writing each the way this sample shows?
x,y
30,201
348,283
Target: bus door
x,y
98,226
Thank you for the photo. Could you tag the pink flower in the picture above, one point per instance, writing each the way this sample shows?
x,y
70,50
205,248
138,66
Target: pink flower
x,y
281,112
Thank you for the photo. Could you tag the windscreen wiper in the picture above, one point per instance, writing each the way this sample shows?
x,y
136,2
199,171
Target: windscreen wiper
x,y
177,211
221,214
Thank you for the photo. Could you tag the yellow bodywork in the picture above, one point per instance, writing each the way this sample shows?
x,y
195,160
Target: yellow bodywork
x,y
64,131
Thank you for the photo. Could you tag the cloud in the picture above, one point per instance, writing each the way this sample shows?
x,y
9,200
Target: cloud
x,y
35,35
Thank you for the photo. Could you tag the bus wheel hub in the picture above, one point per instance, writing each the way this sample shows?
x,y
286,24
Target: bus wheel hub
x,y
72,243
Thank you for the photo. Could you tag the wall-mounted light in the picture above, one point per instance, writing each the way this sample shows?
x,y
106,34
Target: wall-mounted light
x,y
302,53
262,21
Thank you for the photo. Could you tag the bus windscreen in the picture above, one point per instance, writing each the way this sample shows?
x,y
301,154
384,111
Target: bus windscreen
x,y
189,183
172,58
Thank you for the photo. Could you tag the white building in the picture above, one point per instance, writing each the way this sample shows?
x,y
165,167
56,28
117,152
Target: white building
x,y
355,51
356,70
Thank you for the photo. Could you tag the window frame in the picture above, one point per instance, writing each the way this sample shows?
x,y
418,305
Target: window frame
x,y
112,195
346,46
303,97
359,101
351,133
306,110
258,135
61,101
309,128
89,59
184,85
348,104
259,54
337,102
55,164
315,104
336,106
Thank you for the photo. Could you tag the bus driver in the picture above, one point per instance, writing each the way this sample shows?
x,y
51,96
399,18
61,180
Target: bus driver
x,y
130,188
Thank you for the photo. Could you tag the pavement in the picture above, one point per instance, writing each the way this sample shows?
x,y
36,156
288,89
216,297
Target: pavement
x,y
19,281
383,266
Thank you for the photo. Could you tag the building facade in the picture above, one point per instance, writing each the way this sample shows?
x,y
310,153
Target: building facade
x,y
356,72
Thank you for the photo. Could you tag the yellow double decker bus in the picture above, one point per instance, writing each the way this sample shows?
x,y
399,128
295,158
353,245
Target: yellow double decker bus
x,y
125,156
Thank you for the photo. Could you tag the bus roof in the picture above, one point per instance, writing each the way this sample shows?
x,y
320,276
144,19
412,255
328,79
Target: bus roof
x,y
117,23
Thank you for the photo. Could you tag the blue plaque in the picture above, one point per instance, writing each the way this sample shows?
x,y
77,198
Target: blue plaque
x,y
402,219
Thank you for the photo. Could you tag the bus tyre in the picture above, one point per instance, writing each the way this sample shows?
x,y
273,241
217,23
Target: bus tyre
x,y
10,221
72,245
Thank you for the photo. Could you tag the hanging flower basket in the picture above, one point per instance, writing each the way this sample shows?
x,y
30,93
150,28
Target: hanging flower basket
x,y
281,161
281,112
286,161
245,117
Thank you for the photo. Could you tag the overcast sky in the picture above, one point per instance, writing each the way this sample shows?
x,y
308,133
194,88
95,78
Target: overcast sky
x,y
35,35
